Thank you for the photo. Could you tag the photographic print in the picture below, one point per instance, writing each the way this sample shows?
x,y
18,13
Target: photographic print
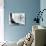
x,y
17,18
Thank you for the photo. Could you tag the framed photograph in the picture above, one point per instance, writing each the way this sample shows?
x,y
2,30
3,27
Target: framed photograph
x,y
17,18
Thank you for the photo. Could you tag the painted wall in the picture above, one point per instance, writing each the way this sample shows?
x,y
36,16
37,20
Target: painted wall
x,y
43,6
29,7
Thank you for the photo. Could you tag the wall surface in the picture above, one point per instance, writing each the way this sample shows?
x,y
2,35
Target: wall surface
x,y
29,7
43,6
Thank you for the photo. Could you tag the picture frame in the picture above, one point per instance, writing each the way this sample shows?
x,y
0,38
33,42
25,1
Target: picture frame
x,y
17,18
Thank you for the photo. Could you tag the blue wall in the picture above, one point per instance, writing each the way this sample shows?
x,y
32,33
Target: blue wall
x,y
43,6
29,7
